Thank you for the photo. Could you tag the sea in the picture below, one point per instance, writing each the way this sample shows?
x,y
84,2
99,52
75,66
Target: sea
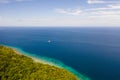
x,y
92,52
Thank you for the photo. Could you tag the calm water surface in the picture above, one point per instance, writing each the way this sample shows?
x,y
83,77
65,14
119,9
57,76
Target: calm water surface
x,y
94,52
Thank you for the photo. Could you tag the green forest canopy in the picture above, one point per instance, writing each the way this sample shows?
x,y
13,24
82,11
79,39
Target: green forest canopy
x,y
14,66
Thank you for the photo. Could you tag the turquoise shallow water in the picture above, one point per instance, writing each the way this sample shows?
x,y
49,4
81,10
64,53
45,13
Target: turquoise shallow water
x,y
50,61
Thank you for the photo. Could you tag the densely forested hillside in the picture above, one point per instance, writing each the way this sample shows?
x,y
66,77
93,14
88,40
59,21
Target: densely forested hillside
x,y
14,66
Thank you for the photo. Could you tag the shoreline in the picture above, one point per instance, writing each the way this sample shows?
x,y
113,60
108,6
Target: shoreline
x,y
49,61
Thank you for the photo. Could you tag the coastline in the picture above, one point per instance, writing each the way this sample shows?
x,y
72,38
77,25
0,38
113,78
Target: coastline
x,y
49,61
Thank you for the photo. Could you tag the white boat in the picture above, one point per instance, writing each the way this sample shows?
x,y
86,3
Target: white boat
x,y
49,41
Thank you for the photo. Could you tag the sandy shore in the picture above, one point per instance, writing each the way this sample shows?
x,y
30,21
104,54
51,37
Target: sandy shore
x,y
34,59
17,52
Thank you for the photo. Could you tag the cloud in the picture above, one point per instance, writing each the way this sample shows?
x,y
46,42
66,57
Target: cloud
x,y
108,10
115,6
9,1
95,1
102,1
107,7
107,13
75,12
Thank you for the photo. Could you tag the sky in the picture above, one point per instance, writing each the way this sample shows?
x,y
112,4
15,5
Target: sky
x,y
79,13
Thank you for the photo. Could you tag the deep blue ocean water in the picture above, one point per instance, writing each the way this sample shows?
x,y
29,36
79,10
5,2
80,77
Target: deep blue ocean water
x,y
93,52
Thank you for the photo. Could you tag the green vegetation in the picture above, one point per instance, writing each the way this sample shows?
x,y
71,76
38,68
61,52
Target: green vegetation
x,y
14,66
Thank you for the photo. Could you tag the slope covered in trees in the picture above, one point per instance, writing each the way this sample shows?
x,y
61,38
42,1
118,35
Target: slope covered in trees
x,y
14,66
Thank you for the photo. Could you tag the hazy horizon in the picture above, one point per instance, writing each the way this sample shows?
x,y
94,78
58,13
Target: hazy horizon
x,y
61,26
